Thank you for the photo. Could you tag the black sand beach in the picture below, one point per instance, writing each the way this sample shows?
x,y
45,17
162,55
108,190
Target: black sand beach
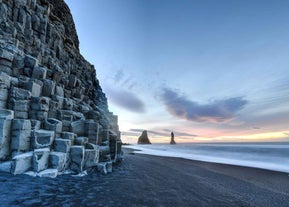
x,y
144,180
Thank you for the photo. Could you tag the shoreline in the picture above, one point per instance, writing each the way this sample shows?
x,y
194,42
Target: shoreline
x,y
137,151
219,160
152,181
228,169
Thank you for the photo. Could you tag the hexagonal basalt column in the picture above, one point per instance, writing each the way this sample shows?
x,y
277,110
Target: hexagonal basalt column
x,y
22,163
77,158
62,145
58,160
6,117
40,159
42,138
53,125
21,135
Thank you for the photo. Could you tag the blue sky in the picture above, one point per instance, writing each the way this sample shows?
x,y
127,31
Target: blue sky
x,y
207,70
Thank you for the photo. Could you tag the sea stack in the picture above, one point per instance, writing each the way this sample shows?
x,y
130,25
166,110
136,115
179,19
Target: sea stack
x,y
143,139
172,138
53,113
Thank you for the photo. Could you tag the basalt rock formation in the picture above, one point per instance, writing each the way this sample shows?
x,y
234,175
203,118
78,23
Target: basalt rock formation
x,y
143,139
53,113
172,138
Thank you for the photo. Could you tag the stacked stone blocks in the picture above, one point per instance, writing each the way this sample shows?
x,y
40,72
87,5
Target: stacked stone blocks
x,y
53,113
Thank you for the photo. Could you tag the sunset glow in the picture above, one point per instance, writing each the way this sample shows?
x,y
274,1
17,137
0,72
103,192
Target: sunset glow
x,y
210,71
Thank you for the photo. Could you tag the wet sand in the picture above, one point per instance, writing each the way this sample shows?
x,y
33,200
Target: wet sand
x,y
144,180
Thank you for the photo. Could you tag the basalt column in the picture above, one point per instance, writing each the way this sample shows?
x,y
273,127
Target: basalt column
x,y
53,113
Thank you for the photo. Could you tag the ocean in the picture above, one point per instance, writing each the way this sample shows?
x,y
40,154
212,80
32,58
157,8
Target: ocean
x,y
270,156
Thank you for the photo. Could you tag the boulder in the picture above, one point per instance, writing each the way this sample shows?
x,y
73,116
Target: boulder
x,y
34,88
22,163
92,129
6,114
6,117
6,55
42,138
58,160
19,93
35,124
72,81
59,91
48,173
5,80
104,154
91,158
4,94
78,127
39,73
40,159
40,103
3,104
19,105
69,135
68,104
53,125
38,115
104,167
30,61
77,158
58,99
104,135
48,88
80,140
21,135
21,114
6,166
62,145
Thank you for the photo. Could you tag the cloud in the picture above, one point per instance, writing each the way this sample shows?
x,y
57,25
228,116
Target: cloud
x,y
216,111
124,80
167,133
129,133
118,76
126,100
150,132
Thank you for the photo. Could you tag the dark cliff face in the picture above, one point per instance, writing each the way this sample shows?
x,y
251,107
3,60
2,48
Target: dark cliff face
x,y
51,103
62,11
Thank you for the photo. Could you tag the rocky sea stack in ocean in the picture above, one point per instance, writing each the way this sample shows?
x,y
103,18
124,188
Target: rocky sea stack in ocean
x,y
53,113
143,139
172,138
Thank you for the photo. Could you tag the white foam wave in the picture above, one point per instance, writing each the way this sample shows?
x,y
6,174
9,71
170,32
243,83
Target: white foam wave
x,y
271,157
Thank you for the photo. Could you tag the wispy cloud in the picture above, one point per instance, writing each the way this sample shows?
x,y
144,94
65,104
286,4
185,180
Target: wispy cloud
x,y
119,75
123,80
165,133
215,111
118,89
126,100
130,133
150,132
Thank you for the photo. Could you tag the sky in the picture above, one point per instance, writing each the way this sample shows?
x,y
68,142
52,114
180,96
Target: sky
x,y
211,71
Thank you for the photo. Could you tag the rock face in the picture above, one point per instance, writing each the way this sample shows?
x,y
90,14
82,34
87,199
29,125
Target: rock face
x,y
143,139
53,113
172,138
